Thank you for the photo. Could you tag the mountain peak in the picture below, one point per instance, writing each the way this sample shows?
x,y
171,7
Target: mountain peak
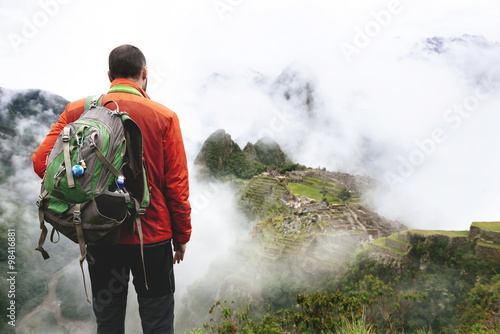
x,y
440,44
220,156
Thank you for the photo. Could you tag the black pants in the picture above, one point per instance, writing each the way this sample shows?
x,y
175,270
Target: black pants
x,y
110,274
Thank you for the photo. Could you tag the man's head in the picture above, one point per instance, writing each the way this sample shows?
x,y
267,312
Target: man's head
x,y
127,61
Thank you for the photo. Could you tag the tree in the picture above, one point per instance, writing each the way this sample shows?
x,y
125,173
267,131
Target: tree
x,y
324,192
344,195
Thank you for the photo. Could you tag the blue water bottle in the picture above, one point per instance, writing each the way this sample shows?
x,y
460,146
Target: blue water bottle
x,y
120,182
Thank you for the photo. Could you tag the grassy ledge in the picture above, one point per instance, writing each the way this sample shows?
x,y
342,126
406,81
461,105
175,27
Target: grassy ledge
x,y
490,226
452,234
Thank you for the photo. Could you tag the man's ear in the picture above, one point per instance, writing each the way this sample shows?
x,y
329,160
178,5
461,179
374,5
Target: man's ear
x,y
109,77
144,73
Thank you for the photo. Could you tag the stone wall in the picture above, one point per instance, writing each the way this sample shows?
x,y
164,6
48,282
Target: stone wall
x,y
385,256
401,246
460,240
405,236
487,251
476,232
450,240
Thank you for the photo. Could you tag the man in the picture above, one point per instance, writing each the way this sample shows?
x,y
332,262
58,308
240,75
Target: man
x,y
167,218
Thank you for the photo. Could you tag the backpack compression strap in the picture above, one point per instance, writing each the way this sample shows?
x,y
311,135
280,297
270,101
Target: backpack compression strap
x,y
81,242
93,102
67,160
43,234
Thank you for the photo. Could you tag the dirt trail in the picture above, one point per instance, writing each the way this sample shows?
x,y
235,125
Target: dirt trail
x,y
52,304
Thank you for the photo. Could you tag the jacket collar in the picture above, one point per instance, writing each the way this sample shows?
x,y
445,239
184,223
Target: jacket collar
x,y
129,83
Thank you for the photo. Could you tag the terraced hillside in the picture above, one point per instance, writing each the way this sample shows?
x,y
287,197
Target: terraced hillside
x,y
300,215
263,193
270,195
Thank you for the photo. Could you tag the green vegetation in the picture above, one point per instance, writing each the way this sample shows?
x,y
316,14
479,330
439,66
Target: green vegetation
x,y
438,232
304,189
481,308
289,167
222,157
380,242
350,311
488,244
263,194
344,195
267,152
492,226
322,190
395,237
437,288
33,272
18,211
312,192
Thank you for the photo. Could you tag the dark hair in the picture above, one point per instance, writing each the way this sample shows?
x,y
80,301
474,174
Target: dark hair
x,y
126,61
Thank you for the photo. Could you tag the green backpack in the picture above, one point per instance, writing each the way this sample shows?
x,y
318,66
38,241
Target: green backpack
x,y
81,195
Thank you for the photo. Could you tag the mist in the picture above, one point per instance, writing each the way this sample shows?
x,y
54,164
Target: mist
x,y
417,120
217,225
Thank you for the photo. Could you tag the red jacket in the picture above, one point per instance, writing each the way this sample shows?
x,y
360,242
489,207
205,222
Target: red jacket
x,y
169,213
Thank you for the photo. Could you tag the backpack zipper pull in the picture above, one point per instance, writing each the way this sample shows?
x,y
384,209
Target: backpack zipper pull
x,y
60,171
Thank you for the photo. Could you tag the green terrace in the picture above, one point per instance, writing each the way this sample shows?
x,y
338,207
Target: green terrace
x,y
450,234
395,238
314,188
263,193
320,183
489,244
490,226
380,242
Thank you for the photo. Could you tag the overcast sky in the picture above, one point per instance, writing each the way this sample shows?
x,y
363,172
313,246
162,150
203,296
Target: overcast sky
x,y
385,103
373,86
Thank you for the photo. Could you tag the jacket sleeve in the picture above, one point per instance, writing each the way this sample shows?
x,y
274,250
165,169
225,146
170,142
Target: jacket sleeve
x,y
176,188
42,152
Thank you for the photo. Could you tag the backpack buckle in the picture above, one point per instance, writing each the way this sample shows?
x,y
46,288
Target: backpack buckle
x,y
141,211
39,202
77,217
93,104
41,197
65,135
95,101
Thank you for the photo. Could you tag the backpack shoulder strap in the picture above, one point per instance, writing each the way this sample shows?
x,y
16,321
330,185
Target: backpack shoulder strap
x,y
134,146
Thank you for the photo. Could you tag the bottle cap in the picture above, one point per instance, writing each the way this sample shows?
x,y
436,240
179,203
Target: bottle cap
x,y
120,181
